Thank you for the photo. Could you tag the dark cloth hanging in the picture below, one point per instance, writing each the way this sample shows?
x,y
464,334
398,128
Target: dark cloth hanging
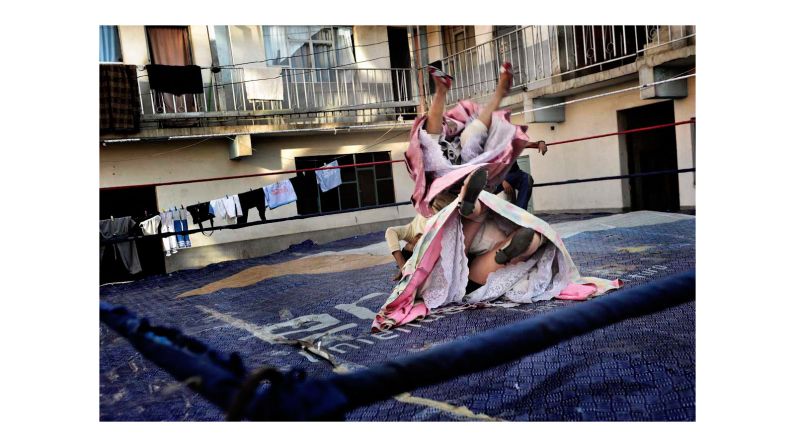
x,y
125,252
175,79
119,99
305,186
252,199
201,213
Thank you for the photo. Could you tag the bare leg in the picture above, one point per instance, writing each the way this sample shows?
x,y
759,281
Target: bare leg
x,y
434,123
504,83
482,266
471,226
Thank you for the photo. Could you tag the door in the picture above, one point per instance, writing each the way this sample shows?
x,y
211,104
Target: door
x,y
648,151
400,57
138,203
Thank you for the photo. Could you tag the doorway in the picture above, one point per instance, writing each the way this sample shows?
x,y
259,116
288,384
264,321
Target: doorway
x,y
653,150
139,203
400,57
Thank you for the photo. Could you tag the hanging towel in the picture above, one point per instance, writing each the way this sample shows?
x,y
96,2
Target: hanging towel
x,y
150,226
263,84
330,178
280,193
126,252
175,79
119,100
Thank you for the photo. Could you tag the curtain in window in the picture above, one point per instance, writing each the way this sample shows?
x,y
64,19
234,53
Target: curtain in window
x,y
281,42
169,45
343,42
109,46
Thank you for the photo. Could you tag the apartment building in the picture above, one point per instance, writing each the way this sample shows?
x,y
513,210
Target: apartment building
x,y
275,99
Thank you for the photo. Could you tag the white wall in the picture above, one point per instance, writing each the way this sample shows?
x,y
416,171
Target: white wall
x,y
139,163
684,109
598,157
366,35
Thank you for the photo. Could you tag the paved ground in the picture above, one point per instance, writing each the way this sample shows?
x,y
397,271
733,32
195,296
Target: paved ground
x,y
640,369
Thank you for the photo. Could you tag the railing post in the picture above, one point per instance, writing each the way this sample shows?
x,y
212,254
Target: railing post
x,y
555,54
416,81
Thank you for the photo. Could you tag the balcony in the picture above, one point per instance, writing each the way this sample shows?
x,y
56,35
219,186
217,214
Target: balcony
x,y
542,56
344,94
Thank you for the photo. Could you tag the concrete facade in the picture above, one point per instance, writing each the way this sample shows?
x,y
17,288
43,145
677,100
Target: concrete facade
x,y
149,162
207,153
600,157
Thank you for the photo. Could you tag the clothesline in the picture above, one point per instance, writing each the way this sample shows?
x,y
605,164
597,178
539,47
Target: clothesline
x,y
306,216
250,224
262,174
381,126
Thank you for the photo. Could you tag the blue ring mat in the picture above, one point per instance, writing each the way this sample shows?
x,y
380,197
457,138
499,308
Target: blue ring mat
x,y
642,369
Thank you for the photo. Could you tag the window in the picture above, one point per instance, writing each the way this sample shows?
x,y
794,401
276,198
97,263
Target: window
x,y
361,186
109,45
170,45
315,47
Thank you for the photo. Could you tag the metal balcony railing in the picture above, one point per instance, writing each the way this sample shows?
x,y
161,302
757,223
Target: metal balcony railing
x,y
541,53
303,90
605,46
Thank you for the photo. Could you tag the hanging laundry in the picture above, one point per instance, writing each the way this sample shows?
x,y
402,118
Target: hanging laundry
x,y
232,206
252,199
280,193
227,214
175,79
330,178
200,213
180,225
170,245
183,219
264,84
152,226
125,252
119,100
305,185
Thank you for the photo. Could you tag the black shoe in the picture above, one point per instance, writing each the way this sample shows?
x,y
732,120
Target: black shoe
x,y
477,181
519,243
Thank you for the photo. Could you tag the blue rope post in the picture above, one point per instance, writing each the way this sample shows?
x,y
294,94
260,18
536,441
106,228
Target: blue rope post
x,y
215,375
